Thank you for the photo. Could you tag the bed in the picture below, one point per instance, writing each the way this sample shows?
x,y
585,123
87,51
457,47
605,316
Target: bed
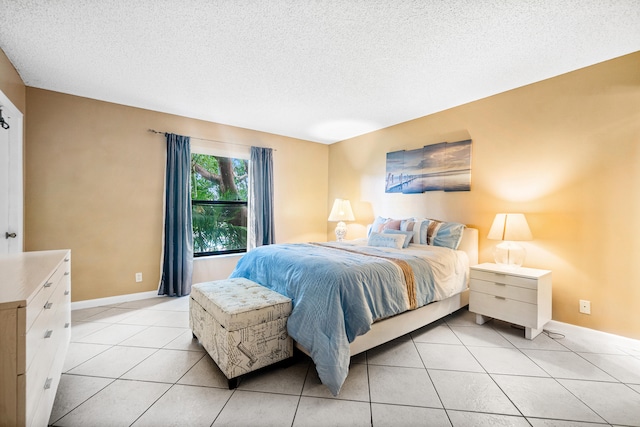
x,y
351,296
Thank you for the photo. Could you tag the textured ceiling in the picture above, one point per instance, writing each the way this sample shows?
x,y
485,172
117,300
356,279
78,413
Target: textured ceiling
x,y
317,70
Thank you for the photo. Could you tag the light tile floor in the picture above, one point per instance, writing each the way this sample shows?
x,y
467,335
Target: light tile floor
x,y
136,364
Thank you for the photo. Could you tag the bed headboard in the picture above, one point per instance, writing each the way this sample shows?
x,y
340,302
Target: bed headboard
x,y
469,244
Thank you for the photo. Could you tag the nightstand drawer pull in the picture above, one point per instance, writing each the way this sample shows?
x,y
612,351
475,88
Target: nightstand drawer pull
x,y
47,383
48,305
499,284
66,325
66,292
48,333
66,273
497,297
48,284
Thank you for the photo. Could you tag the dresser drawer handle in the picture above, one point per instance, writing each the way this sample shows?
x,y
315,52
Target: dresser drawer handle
x,y
48,305
66,292
66,325
48,333
66,260
497,297
47,383
66,273
499,284
48,284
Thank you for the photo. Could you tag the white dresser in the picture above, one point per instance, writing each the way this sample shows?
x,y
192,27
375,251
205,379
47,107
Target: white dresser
x,y
516,295
35,329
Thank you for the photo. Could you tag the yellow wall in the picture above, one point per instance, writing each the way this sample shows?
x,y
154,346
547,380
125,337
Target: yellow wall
x,y
11,83
95,179
565,151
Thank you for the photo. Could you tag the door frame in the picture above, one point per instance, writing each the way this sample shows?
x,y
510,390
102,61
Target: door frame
x,y
15,192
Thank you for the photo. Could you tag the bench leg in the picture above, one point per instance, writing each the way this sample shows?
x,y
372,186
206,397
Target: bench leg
x,y
233,383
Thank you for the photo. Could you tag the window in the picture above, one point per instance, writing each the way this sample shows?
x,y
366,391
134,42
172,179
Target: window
x,y
219,188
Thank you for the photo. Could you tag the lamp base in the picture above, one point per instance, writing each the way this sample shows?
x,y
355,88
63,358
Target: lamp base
x,y
341,231
509,254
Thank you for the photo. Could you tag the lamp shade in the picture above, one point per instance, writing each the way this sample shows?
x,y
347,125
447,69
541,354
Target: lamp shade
x,y
341,211
510,227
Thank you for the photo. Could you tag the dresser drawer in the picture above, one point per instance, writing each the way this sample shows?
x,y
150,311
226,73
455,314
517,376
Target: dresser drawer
x,y
42,411
42,383
38,378
45,292
37,336
507,279
506,291
518,312
41,372
44,322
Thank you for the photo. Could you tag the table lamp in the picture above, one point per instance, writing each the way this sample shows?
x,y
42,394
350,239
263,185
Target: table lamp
x,y
341,212
510,228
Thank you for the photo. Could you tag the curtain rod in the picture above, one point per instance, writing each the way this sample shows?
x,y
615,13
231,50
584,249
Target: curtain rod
x,y
205,139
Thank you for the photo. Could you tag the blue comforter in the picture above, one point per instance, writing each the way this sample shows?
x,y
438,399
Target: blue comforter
x,y
336,294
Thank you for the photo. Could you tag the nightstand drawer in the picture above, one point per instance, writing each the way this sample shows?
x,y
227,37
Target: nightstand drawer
x,y
507,279
520,313
506,291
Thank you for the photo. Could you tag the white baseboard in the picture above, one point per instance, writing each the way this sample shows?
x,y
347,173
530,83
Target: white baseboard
x,y
90,303
554,325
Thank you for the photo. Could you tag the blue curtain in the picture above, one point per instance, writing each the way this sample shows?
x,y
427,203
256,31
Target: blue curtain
x,y
177,262
261,231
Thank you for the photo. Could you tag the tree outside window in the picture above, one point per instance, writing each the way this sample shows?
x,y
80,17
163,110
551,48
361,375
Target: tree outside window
x,y
219,189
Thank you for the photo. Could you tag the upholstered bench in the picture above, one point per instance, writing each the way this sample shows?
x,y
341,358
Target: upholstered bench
x,y
241,324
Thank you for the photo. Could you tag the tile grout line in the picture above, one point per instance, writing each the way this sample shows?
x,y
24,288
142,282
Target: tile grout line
x,y
489,374
431,379
554,378
81,403
295,413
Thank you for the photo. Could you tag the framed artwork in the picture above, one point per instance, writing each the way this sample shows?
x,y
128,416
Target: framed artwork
x,y
395,164
457,176
437,167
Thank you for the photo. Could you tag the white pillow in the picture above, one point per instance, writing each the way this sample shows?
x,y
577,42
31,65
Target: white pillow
x,y
386,240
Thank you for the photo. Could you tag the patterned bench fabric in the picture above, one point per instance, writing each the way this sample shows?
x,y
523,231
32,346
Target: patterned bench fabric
x,y
239,303
236,325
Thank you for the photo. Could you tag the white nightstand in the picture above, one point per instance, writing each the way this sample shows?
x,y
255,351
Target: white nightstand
x,y
516,295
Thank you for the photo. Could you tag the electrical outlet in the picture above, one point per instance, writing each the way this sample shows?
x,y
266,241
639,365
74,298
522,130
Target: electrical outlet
x,y
138,277
585,306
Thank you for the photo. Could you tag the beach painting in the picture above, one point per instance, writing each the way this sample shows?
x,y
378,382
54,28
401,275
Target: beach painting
x,y
395,165
457,176
436,167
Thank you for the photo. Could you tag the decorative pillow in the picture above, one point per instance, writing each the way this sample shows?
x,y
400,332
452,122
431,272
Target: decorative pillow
x,y
409,225
431,227
449,235
386,240
377,225
420,228
392,224
408,235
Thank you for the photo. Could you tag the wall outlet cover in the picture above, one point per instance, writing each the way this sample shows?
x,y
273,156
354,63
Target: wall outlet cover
x,y
585,306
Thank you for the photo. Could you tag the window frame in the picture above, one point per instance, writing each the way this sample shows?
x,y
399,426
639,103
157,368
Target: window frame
x,y
219,149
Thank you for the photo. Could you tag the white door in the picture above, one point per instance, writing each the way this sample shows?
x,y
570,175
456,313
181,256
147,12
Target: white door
x,y
11,190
